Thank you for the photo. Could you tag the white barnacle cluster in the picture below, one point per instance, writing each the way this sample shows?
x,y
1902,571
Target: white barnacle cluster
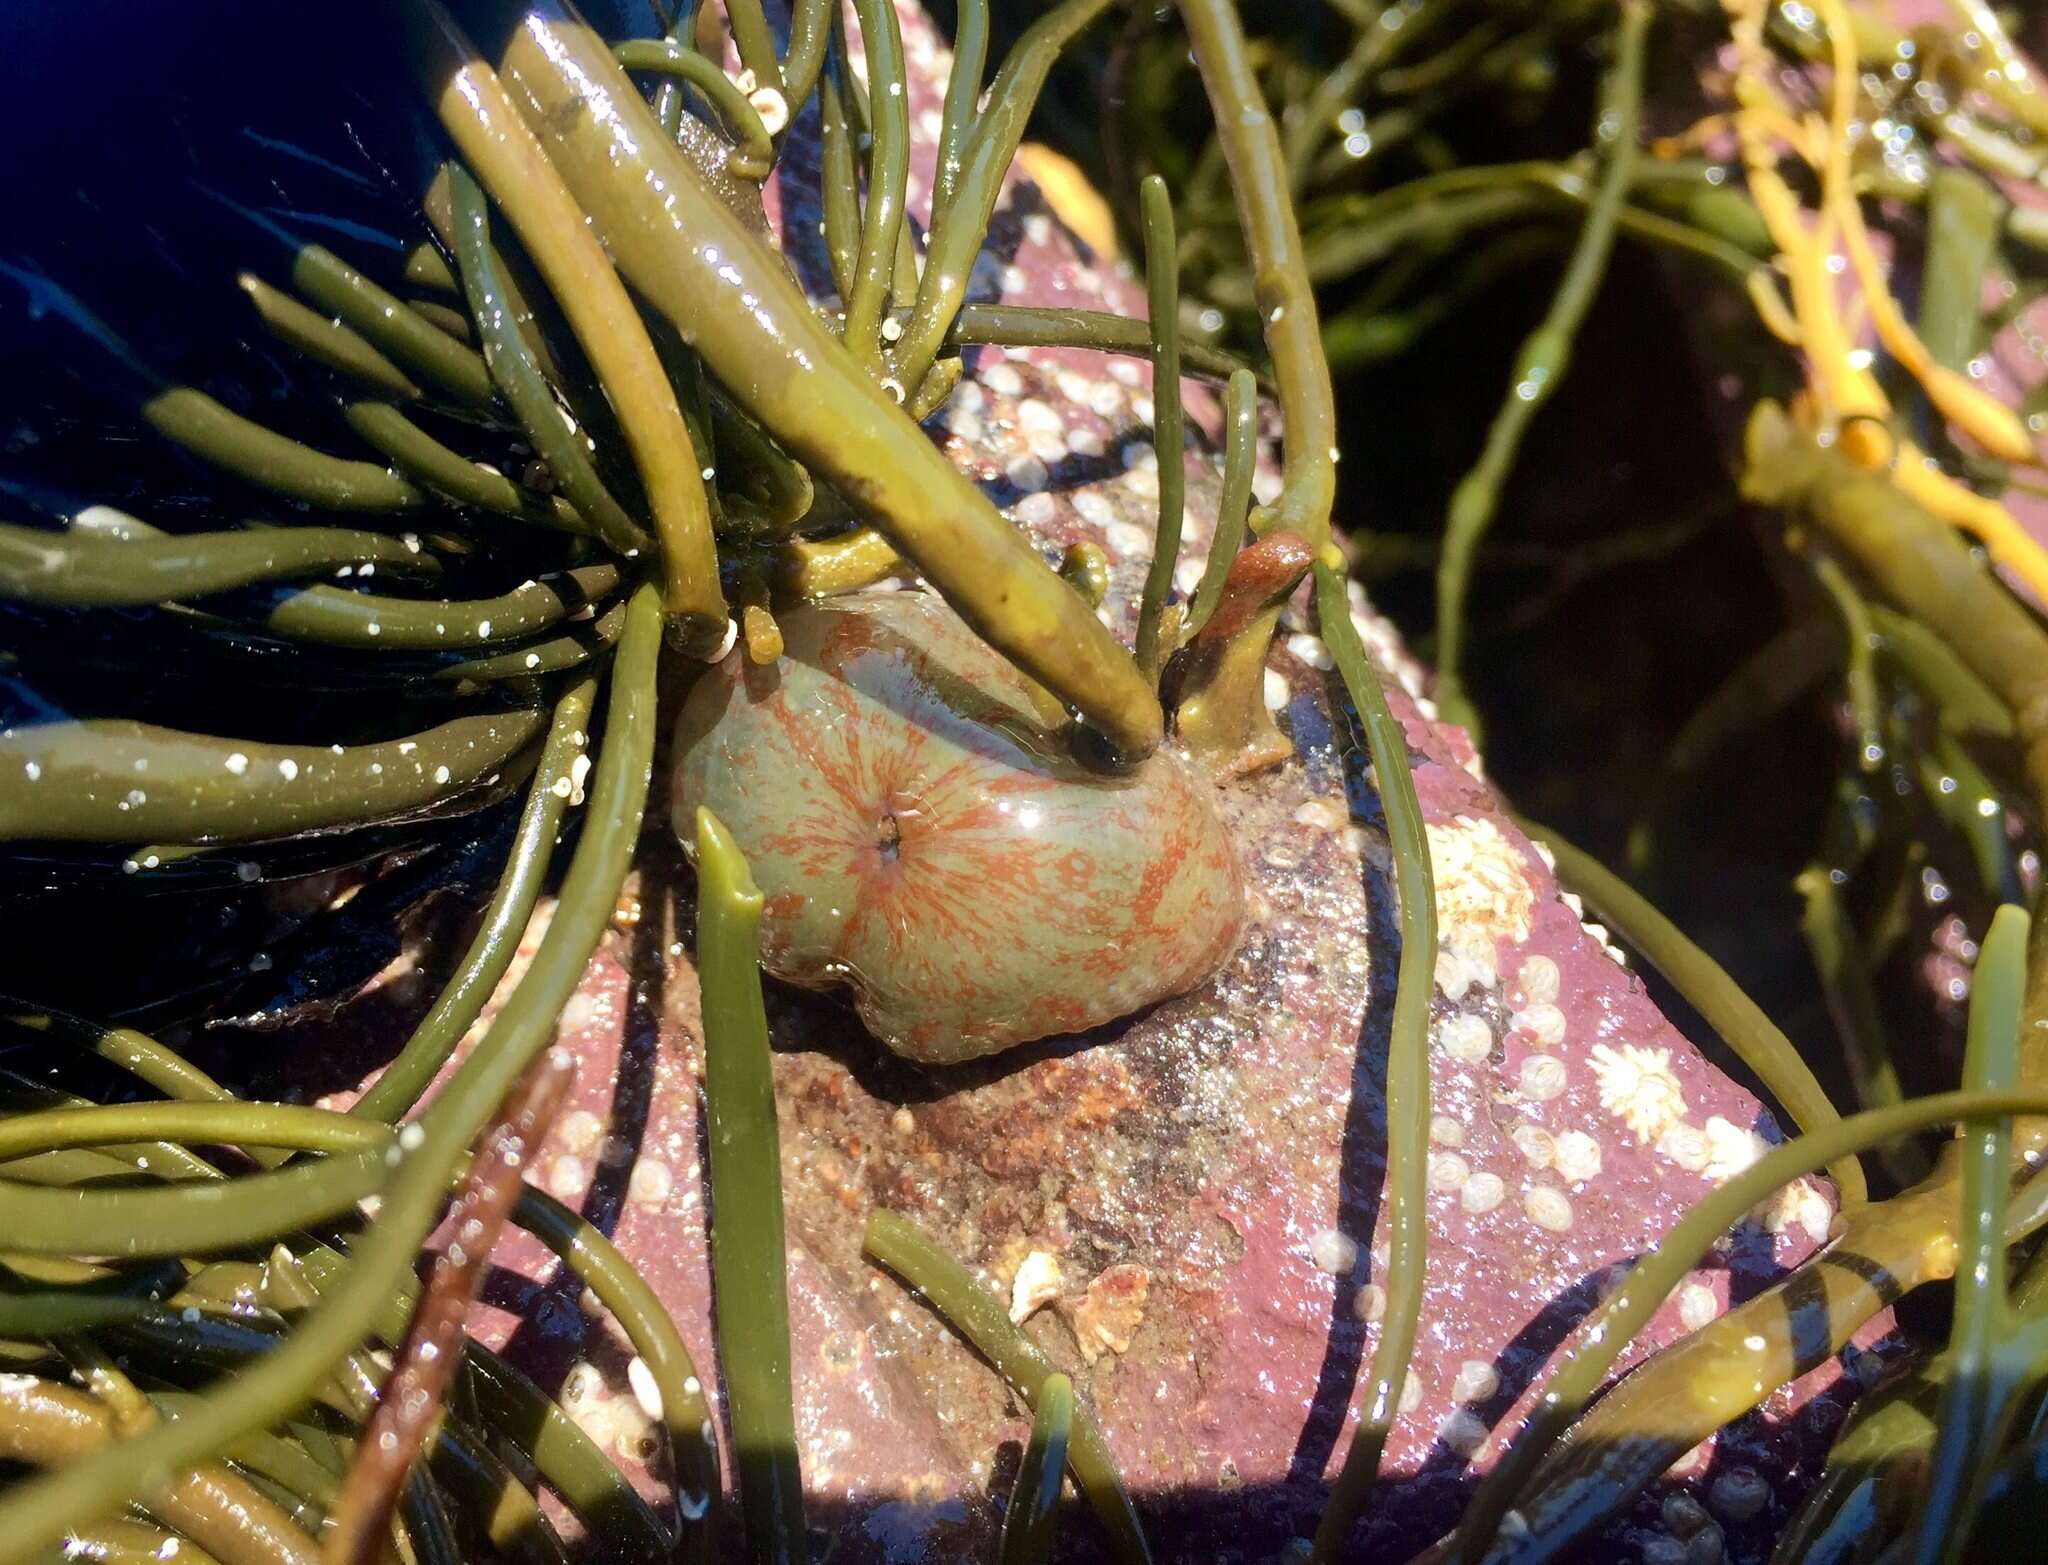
x,y
1483,897
1595,932
1543,1077
622,1425
1465,1037
1577,1157
1638,1087
1732,1148
1547,1207
1798,1205
1542,1024
1698,1305
1532,1000
1573,1156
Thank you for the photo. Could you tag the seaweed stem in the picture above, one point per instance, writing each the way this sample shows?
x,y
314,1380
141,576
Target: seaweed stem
x,y
1280,285
754,158
1031,1526
687,254
963,89
1407,1092
61,1429
984,1320
1991,1355
748,1266
1162,290
989,147
1540,364
37,1513
1860,657
408,1405
1233,501
1707,988
888,170
512,166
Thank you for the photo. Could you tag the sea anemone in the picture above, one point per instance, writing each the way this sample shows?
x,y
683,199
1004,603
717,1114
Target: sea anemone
x,y
919,834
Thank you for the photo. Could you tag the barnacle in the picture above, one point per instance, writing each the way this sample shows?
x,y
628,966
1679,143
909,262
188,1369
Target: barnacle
x,y
1483,896
1638,1088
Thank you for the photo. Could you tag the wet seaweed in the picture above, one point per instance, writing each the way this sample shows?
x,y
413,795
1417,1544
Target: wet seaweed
x,y
687,459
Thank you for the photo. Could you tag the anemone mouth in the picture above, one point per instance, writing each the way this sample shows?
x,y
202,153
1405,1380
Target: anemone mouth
x,y
889,836
902,815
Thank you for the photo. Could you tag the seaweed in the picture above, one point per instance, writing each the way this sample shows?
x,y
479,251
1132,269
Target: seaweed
x,y
699,450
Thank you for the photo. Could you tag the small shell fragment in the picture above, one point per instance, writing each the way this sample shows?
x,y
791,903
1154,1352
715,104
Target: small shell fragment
x,y
1037,1284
